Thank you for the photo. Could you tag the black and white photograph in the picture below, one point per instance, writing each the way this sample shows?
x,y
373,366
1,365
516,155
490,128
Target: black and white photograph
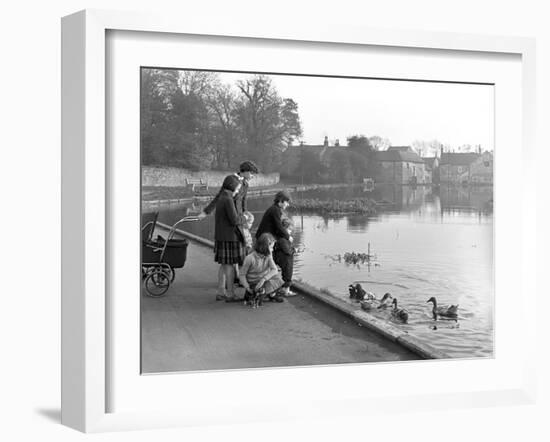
x,y
275,221
302,220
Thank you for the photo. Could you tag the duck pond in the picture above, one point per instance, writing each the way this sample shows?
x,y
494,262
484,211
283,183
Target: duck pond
x,y
425,242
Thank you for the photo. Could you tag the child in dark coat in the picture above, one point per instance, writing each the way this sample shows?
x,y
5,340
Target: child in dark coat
x,y
283,255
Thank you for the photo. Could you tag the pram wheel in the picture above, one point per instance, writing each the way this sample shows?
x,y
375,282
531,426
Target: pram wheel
x,y
160,257
157,283
170,272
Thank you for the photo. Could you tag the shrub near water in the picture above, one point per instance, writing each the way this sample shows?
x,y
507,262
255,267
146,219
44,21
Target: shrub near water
x,y
358,205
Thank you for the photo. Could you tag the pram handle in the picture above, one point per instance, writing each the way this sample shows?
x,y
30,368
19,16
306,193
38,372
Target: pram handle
x,y
185,219
171,233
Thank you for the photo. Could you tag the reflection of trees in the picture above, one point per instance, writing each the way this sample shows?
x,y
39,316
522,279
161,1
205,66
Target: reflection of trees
x,y
403,198
298,232
358,223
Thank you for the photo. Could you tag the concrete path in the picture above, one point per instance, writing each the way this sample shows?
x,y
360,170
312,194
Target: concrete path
x,y
187,329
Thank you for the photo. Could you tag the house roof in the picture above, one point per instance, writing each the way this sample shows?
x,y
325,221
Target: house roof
x,y
400,148
458,159
398,155
315,148
308,146
292,153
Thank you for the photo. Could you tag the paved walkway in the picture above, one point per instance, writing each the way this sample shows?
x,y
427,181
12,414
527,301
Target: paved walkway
x,y
187,329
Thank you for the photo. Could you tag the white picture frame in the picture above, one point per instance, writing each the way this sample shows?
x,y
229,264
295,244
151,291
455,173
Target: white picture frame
x,y
86,211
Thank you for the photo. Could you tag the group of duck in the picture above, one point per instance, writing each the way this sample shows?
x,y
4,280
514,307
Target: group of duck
x,y
369,302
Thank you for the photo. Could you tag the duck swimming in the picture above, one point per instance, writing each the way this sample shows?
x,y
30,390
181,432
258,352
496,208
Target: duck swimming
x,y
446,311
384,302
356,292
399,314
359,293
369,301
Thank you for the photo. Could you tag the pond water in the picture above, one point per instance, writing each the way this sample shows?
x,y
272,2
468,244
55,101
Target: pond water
x,y
428,242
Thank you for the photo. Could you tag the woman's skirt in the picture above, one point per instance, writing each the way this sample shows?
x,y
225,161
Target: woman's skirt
x,y
229,252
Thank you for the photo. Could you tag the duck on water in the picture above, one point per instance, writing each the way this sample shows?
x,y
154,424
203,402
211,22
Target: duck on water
x,y
372,302
445,311
399,314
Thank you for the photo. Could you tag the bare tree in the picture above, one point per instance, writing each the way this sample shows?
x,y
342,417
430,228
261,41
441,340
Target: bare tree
x,y
379,143
427,148
226,143
268,123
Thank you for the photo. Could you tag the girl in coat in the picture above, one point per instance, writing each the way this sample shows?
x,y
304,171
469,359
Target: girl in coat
x,y
228,244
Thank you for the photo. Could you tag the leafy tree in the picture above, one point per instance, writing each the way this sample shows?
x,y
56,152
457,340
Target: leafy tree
x,y
363,161
360,143
360,166
340,167
157,87
347,166
291,129
357,141
310,167
189,141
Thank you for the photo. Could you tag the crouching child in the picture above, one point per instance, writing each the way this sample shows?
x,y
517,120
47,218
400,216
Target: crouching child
x,y
259,274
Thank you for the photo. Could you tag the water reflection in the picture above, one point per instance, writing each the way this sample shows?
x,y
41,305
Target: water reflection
x,y
467,199
440,199
358,223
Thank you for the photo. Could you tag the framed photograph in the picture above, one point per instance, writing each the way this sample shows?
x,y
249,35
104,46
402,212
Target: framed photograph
x,y
264,219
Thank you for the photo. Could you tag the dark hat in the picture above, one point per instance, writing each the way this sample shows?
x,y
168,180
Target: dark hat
x,y
282,196
230,183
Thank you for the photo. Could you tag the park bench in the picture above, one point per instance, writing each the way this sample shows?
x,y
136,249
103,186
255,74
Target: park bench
x,y
196,184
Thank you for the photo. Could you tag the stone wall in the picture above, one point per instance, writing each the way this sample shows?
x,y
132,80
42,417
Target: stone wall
x,y
175,177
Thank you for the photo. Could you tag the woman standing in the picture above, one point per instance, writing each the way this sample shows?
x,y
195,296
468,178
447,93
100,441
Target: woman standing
x,y
246,173
228,245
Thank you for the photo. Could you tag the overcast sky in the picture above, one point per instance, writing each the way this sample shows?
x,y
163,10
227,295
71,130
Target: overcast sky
x,y
402,111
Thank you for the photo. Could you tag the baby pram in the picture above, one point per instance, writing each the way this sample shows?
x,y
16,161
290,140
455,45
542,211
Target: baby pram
x,y
160,256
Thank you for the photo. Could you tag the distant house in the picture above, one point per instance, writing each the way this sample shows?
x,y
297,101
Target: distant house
x,y
482,169
456,168
311,162
293,158
401,165
432,170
